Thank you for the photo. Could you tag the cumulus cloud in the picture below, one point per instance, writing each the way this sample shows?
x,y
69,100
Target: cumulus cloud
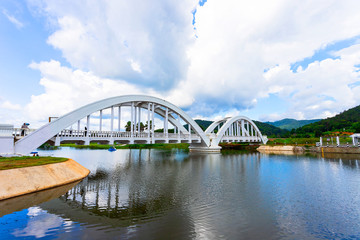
x,y
238,40
243,51
141,41
67,89
10,106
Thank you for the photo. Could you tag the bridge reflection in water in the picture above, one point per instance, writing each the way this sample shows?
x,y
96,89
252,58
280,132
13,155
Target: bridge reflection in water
x,y
142,189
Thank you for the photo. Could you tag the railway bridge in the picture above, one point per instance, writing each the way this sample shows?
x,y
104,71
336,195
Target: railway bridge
x,y
87,124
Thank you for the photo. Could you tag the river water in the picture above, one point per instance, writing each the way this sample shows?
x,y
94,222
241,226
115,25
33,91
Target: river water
x,y
174,194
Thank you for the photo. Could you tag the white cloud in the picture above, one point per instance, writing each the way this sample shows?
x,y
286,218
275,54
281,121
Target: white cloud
x,y
122,47
13,20
67,89
10,113
10,106
238,40
103,36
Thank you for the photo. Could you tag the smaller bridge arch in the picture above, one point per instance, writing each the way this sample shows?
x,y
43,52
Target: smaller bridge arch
x,y
235,129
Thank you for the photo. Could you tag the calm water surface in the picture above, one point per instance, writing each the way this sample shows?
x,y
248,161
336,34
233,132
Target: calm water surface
x,y
162,194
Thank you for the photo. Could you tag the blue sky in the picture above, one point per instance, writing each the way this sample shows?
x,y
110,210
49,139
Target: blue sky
x,y
264,60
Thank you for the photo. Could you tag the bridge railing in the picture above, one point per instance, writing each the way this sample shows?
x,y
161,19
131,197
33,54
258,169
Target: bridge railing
x,y
115,134
242,138
21,132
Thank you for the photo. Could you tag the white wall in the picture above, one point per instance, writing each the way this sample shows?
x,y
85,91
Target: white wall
x,y
6,145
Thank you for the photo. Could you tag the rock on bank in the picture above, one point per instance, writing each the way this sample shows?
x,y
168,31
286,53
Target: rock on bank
x,y
16,182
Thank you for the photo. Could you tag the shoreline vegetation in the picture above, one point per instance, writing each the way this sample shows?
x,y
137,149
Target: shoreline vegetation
x,y
7,163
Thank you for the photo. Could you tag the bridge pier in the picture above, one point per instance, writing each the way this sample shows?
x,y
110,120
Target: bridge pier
x,y
201,147
57,141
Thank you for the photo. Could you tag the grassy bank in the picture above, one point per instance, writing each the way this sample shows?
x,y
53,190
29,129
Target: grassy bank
x,y
21,162
307,141
130,146
293,141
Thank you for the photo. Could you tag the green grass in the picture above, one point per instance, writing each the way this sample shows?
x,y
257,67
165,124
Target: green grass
x,y
21,162
129,146
293,141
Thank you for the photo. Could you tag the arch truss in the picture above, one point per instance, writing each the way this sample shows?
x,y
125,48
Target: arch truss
x,y
235,129
228,129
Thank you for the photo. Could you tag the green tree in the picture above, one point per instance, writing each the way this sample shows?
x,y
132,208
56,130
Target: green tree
x,y
356,127
128,126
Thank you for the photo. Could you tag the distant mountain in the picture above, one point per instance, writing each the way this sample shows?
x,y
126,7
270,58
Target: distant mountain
x,y
289,123
348,121
204,124
270,130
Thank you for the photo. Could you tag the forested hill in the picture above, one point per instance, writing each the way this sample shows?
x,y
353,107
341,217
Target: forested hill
x,y
270,130
348,121
290,124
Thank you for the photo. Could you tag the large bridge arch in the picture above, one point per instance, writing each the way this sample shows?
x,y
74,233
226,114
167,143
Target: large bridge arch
x,y
37,138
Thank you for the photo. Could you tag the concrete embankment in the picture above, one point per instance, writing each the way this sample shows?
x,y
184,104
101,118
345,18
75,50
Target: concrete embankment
x,y
16,182
342,150
295,149
280,149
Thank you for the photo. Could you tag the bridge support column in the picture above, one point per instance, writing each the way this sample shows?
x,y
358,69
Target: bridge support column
x,y
139,119
152,123
119,118
87,141
100,124
111,141
148,141
57,141
201,147
189,132
166,125
132,120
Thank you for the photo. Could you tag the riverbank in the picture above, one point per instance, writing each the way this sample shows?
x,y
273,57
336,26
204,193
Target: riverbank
x,y
26,161
20,181
303,149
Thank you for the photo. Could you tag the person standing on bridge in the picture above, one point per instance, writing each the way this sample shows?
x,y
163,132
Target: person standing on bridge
x,y
85,131
24,127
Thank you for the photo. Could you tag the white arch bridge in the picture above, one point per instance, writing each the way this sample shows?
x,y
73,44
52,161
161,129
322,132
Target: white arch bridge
x,y
236,129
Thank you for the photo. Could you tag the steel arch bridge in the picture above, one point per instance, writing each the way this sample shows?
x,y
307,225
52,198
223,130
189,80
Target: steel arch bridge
x,y
236,129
